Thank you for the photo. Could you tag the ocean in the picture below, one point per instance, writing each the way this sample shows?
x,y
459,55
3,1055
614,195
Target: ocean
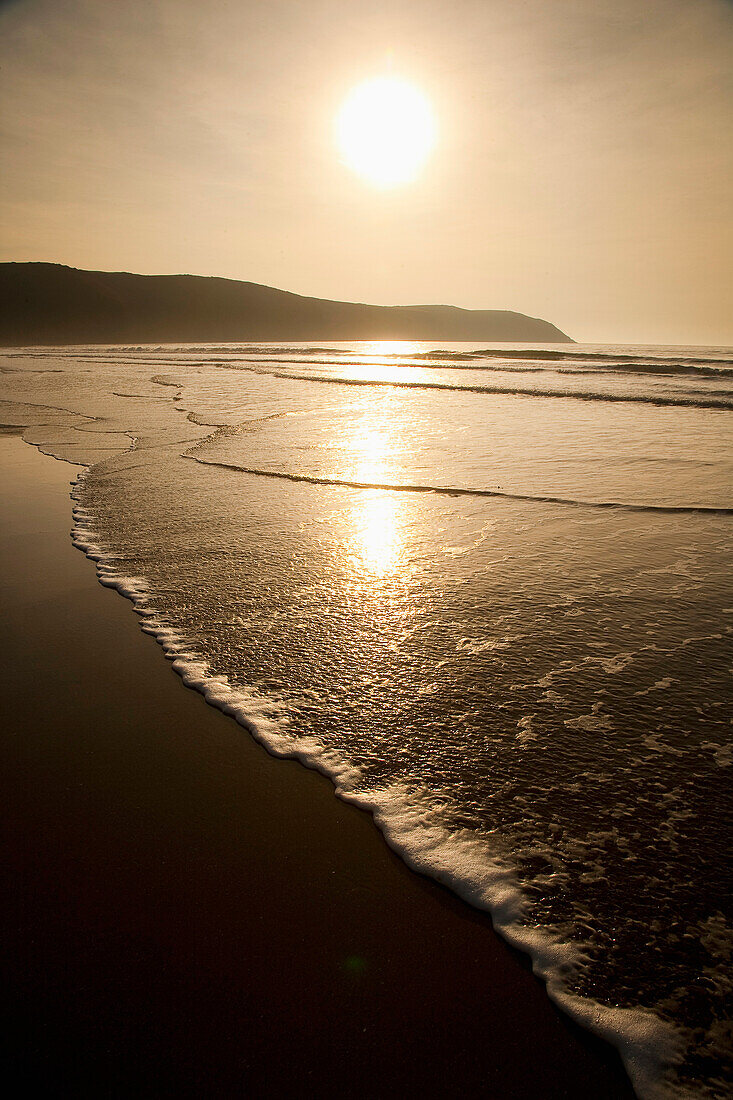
x,y
486,589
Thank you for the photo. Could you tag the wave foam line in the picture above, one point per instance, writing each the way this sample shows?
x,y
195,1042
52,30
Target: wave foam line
x,y
543,354
505,391
460,860
470,362
450,491
607,356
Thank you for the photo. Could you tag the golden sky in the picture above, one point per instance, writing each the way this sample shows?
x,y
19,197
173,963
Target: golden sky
x,y
581,169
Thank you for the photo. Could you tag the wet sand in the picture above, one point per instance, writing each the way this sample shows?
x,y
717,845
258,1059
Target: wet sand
x,y
183,914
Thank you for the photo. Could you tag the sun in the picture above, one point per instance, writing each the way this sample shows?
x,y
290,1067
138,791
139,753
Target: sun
x,y
385,131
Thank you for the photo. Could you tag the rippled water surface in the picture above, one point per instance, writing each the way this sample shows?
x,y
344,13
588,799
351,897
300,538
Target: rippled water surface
x,y
487,590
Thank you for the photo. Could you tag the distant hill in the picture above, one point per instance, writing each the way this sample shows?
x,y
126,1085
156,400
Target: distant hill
x,y
44,303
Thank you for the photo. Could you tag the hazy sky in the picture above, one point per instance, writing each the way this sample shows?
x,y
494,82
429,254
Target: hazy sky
x,y
583,167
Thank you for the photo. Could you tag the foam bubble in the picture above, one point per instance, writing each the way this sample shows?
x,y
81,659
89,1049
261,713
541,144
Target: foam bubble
x,y
413,827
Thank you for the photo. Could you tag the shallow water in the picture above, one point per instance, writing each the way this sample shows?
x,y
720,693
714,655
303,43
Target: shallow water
x,y
500,619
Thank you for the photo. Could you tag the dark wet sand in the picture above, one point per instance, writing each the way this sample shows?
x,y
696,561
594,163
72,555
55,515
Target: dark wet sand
x,y
183,915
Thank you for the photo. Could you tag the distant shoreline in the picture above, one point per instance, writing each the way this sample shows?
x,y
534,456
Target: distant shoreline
x,y
45,304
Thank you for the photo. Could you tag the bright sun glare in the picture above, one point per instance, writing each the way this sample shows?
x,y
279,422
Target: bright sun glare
x,y
385,131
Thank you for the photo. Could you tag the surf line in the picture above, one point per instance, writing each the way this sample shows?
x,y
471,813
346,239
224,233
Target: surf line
x,y
502,391
450,491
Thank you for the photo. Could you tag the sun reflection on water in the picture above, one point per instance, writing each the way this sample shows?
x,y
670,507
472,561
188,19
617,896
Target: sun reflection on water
x,y
377,544
390,347
369,450
374,360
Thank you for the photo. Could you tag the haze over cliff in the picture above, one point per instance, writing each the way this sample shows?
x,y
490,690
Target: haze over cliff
x,y
44,303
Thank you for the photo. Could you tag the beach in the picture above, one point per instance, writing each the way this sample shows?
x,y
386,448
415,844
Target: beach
x,y
366,384
483,594
185,915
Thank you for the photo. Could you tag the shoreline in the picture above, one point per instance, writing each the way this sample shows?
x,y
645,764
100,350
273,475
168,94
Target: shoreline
x,y
186,914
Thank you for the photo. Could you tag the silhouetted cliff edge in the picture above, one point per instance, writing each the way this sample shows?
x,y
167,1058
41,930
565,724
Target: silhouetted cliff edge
x,y
44,303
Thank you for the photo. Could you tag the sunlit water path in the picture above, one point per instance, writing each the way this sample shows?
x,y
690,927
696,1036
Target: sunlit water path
x,y
486,590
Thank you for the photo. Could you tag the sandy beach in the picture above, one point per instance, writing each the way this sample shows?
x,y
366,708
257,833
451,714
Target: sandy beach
x,y
366,527
185,915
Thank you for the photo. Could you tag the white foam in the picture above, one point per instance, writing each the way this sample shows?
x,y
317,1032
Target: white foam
x,y
458,858
722,754
591,723
526,726
659,685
